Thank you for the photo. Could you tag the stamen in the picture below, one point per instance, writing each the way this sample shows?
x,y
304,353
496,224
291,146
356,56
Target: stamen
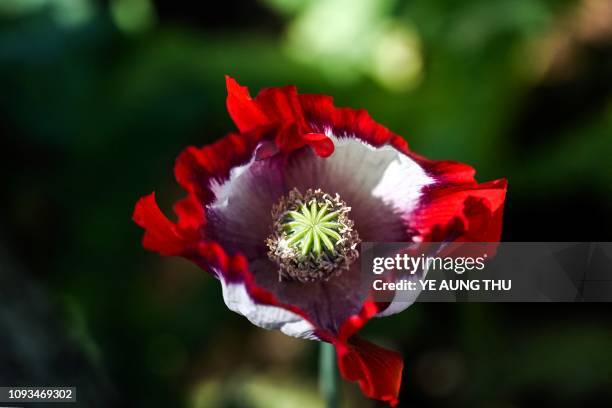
x,y
312,236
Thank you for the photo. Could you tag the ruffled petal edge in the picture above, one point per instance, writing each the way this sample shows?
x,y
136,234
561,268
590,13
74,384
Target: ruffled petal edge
x,y
378,371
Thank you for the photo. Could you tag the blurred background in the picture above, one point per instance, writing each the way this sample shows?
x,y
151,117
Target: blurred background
x,y
98,98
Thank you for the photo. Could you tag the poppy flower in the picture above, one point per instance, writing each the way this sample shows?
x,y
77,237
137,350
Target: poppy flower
x,y
276,212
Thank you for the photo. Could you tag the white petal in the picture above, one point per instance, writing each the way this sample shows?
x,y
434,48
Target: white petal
x,y
401,302
268,317
401,183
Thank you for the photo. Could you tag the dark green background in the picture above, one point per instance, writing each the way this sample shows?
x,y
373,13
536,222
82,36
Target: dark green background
x,y
97,100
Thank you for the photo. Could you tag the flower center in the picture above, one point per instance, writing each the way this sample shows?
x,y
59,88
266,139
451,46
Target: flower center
x,y
312,236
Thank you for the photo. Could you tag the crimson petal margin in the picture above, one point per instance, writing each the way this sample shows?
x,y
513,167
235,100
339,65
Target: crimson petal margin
x,y
279,108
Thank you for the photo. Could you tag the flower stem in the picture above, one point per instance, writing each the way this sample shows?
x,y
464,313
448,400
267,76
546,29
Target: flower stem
x,y
328,375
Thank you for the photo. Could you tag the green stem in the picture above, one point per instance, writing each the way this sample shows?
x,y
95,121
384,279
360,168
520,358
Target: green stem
x,y
328,375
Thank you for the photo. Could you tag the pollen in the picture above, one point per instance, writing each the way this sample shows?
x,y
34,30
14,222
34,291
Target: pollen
x,y
312,237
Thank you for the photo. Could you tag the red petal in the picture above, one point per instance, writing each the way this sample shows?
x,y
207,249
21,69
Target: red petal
x,y
244,111
377,370
447,171
280,110
211,256
320,143
190,213
462,212
195,168
289,139
322,115
282,106
161,235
